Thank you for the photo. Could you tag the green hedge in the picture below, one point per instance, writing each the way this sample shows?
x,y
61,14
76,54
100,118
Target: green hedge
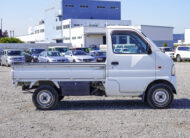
x,y
10,40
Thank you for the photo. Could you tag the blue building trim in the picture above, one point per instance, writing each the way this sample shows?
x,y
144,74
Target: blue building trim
x,y
91,9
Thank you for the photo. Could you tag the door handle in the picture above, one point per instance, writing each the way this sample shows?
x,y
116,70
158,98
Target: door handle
x,y
115,63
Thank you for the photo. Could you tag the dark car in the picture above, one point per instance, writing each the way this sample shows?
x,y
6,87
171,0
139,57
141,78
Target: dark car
x,y
86,50
32,54
100,56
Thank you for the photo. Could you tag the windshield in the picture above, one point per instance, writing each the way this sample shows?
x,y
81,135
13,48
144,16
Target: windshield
x,y
100,54
54,54
37,51
184,48
83,49
79,53
61,50
168,49
15,53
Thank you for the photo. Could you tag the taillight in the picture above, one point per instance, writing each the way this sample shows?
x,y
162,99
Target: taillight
x,y
174,50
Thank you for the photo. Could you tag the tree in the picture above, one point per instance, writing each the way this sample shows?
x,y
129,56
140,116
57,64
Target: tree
x,y
10,40
165,45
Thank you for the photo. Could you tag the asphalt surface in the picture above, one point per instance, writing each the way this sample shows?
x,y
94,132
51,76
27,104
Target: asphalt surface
x,y
99,117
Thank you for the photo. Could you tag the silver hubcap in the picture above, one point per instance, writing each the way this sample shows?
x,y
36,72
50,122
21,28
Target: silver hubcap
x,y
45,98
161,96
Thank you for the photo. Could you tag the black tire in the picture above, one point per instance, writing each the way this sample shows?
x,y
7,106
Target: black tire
x,y
45,97
160,96
178,58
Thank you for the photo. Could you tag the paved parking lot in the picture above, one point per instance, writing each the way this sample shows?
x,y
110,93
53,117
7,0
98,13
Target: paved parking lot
x,y
94,116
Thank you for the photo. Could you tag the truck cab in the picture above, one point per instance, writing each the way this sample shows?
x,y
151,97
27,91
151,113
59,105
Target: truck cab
x,y
138,69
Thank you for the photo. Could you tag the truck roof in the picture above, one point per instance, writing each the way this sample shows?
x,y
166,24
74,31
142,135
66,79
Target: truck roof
x,y
124,27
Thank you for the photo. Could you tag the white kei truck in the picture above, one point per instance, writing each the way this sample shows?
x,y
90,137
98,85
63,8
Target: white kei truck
x,y
134,67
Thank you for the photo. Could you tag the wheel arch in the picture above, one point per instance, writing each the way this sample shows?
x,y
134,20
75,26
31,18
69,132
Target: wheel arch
x,y
53,84
144,96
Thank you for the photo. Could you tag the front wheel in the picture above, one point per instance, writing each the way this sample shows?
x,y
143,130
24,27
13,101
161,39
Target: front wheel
x,y
45,97
160,96
178,58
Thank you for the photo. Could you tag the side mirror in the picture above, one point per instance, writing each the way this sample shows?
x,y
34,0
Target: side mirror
x,y
149,51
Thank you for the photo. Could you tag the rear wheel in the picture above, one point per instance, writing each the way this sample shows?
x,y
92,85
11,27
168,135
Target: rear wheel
x,y
160,96
178,58
45,97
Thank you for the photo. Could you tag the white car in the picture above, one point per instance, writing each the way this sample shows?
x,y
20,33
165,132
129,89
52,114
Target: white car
x,y
10,57
182,53
79,56
52,57
168,51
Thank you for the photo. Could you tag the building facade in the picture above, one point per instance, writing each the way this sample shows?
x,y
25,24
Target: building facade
x,y
158,34
178,38
83,24
187,36
91,9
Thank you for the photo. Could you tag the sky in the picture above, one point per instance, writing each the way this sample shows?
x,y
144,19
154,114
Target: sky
x,y
18,15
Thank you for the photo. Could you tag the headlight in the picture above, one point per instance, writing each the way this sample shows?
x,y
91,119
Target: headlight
x,y
35,57
173,70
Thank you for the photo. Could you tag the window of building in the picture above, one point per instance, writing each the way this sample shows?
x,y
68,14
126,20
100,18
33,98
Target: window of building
x,y
58,28
66,26
37,31
66,38
101,7
93,25
79,37
84,6
76,25
74,38
42,30
69,5
115,8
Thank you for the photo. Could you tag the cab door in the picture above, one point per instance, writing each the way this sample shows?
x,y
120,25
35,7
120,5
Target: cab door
x,y
130,65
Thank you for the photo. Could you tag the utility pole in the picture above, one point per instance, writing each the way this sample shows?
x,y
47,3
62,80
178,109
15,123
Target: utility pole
x,y
1,24
1,32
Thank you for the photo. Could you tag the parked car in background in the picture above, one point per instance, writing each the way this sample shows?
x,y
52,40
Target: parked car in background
x,y
182,53
52,56
61,49
79,56
168,51
0,56
32,54
100,56
10,57
86,50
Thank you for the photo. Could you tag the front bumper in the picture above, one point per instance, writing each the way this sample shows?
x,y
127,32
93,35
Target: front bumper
x,y
11,62
174,83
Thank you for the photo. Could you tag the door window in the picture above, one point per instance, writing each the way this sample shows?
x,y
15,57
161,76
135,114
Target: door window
x,y
128,43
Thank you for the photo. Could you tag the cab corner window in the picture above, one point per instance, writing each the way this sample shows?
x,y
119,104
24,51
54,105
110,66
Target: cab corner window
x,y
128,43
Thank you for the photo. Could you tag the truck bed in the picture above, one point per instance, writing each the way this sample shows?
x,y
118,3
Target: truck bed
x,y
59,72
